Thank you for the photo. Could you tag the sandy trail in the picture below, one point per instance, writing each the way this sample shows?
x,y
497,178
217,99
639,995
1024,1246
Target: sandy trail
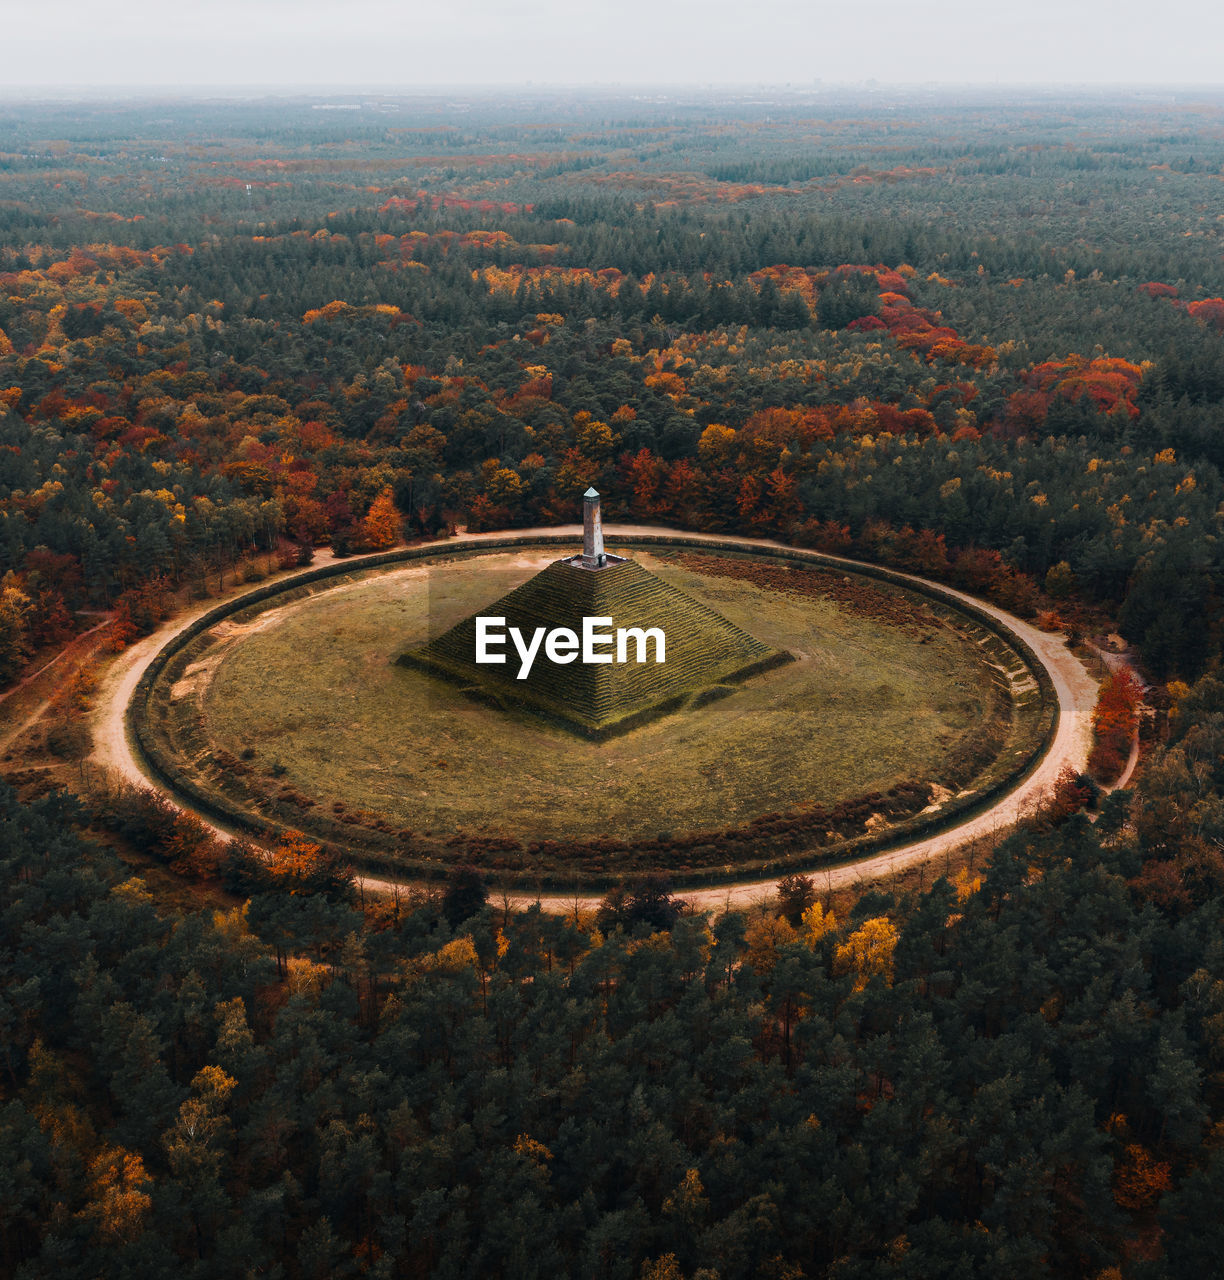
x,y
1128,772
76,651
1074,688
71,647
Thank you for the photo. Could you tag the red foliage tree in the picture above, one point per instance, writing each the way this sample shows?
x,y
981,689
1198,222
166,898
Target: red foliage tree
x,y
1114,721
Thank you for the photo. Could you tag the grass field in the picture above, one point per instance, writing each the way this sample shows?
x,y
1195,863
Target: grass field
x,y
309,696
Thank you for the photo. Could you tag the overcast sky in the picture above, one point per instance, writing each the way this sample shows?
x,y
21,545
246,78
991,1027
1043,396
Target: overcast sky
x,y
414,43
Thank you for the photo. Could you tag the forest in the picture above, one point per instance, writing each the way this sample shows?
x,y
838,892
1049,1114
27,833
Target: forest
x,y
975,337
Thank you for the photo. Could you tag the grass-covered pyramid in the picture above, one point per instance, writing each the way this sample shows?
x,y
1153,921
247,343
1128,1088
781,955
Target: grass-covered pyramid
x,y
704,652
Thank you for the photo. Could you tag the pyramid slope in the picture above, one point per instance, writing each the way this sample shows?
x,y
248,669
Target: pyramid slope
x,y
704,650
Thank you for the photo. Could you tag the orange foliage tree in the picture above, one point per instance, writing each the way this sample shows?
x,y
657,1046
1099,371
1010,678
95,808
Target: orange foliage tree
x,y
380,528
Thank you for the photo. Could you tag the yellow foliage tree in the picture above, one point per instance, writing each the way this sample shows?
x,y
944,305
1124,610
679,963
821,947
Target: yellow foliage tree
x,y
666,1267
118,1201
202,1124
574,475
535,1151
504,486
868,952
688,1203
15,609
817,923
716,445
966,885
1177,690
457,955
595,439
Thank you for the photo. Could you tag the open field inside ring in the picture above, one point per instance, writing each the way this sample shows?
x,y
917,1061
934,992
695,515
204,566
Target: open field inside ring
x,y
905,711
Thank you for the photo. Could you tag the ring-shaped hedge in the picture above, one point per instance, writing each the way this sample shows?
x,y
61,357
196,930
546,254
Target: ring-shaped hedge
x,y
769,844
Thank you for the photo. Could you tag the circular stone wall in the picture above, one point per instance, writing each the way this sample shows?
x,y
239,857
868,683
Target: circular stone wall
x,y
290,712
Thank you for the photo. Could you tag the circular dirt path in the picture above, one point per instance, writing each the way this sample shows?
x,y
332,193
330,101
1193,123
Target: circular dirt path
x,y
1074,687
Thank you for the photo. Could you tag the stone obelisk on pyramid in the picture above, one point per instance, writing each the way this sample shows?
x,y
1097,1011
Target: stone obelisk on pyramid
x,y
593,556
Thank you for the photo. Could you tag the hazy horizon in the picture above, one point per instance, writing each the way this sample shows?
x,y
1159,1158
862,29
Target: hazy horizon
x,y
188,91
241,46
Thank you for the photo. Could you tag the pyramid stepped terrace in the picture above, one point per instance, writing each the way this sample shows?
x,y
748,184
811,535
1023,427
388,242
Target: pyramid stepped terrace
x,y
704,652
